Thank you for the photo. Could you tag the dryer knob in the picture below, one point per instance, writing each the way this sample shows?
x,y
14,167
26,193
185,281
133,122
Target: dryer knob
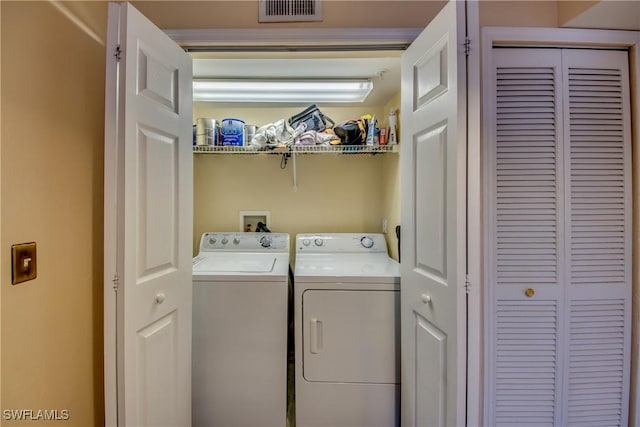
x,y
319,242
225,240
366,242
236,241
306,242
212,240
265,242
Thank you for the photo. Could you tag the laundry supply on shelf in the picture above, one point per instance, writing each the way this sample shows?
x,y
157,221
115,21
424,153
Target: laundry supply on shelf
x,y
393,136
232,132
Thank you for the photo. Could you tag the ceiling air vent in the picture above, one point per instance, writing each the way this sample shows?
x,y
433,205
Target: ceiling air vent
x,y
290,10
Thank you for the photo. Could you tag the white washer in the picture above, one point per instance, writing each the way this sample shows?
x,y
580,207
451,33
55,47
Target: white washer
x,y
347,331
240,287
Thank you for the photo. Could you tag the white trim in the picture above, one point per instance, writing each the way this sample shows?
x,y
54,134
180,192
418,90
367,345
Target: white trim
x,y
559,37
475,349
511,36
634,73
110,217
293,36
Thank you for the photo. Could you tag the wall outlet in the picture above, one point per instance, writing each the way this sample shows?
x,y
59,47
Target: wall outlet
x,y
384,225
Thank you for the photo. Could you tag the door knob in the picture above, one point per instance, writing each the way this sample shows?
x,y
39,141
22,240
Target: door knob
x,y
426,298
159,298
529,292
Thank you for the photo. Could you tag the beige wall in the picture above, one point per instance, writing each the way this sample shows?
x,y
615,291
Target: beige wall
x,y
52,153
334,193
391,183
1,241
525,13
567,10
244,14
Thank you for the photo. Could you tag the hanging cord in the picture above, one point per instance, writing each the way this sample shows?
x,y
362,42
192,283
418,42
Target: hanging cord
x,y
283,164
398,236
284,160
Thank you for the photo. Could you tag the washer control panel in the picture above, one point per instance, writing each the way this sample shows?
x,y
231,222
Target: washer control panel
x,y
341,242
244,242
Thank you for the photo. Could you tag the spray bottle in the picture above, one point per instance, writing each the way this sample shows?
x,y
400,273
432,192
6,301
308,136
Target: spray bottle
x,y
392,138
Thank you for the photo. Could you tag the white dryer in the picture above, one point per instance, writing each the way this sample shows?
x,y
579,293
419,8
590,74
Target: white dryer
x,y
347,331
240,287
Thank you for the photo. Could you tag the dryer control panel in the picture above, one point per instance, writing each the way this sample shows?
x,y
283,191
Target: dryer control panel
x,y
244,242
341,243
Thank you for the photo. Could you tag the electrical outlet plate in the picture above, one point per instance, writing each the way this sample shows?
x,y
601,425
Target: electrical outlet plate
x,y
23,262
249,219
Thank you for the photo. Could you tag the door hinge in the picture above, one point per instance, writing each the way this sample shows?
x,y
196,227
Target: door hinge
x,y
467,283
467,45
116,282
117,54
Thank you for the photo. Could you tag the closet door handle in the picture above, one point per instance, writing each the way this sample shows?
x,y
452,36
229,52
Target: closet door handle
x,y
315,332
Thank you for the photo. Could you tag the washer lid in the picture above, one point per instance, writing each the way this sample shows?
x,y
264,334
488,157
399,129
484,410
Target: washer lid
x,y
236,265
240,264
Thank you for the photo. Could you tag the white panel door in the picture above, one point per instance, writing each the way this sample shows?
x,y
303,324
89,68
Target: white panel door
x,y
148,224
433,156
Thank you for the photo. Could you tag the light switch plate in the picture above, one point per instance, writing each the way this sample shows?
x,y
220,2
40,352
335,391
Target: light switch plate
x,y
23,262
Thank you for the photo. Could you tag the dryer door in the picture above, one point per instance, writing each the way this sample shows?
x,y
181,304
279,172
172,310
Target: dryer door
x,y
351,336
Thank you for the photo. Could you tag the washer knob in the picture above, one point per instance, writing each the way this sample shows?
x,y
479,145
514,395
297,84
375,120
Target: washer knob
x,y
236,240
225,240
319,242
212,240
366,242
265,241
306,242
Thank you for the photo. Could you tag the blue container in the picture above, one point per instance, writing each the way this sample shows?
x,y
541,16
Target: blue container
x,y
232,132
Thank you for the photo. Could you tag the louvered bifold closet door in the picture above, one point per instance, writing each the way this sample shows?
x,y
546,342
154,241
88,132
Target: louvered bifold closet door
x,y
558,258
598,218
524,238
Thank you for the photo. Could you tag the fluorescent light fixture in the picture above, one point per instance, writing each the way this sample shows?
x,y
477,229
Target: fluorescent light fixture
x,y
212,90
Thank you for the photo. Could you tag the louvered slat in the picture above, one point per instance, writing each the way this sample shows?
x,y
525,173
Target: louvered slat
x,y
526,176
597,206
525,376
596,362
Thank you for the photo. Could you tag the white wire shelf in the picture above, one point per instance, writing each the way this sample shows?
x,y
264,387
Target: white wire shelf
x,y
300,149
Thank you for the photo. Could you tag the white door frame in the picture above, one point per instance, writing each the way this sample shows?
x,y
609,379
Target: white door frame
x,y
386,37
557,37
